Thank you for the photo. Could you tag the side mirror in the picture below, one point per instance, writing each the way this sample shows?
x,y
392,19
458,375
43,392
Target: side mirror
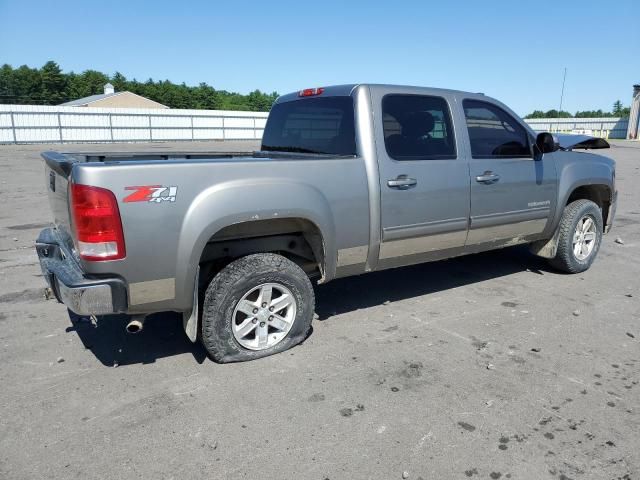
x,y
547,143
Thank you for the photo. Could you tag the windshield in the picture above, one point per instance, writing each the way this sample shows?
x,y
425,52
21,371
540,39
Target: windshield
x,y
311,125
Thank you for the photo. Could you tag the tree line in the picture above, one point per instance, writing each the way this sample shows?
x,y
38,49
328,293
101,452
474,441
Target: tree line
x,y
49,85
618,111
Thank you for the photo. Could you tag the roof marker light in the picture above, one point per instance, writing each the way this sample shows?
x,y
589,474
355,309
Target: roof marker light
x,y
310,92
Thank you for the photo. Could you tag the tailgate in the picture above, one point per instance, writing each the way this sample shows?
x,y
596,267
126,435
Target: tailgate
x,y
57,171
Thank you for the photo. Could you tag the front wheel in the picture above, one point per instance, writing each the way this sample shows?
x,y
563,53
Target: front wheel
x,y
579,237
256,306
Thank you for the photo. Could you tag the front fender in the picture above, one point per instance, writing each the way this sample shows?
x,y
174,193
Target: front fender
x,y
247,200
577,169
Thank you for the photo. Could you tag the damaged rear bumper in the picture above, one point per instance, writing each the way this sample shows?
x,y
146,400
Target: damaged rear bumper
x,y
82,294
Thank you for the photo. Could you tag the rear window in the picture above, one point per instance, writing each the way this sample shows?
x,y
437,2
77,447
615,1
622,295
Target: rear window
x,y
311,125
417,127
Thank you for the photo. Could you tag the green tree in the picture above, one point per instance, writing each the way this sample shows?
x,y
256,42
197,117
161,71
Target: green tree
x,y
53,83
259,102
50,86
27,86
617,108
593,114
6,81
89,82
119,82
205,97
553,113
535,114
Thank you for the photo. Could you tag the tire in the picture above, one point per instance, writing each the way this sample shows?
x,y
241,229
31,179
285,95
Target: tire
x,y
249,280
566,258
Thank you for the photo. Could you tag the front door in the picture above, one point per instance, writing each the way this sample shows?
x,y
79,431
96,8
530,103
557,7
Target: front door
x,y
424,179
512,194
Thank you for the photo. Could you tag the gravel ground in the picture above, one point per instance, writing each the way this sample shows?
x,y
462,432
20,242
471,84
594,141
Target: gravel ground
x,y
488,366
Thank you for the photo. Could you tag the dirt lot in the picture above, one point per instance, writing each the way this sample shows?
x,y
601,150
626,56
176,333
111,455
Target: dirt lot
x,y
489,366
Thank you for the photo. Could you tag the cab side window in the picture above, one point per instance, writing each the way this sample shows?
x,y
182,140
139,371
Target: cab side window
x,y
493,133
417,127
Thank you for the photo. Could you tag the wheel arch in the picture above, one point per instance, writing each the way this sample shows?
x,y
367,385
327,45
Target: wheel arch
x,y
596,193
599,193
247,209
296,238
583,176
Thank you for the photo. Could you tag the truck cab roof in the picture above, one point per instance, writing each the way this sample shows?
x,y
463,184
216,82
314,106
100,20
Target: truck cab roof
x,y
347,89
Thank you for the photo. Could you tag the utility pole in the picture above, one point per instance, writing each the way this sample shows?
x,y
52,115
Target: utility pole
x,y
562,92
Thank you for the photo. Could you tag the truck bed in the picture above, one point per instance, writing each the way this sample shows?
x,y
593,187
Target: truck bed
x,y
62,162
210,191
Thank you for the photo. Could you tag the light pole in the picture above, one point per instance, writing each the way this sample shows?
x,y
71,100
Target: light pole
x,y
562,92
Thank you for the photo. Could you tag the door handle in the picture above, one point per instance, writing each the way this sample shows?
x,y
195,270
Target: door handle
x,y
402,182
488,178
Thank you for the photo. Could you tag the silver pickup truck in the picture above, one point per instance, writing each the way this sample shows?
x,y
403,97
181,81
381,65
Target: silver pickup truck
x,y
350,179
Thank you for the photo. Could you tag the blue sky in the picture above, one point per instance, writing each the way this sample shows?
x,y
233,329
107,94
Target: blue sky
x,y
512,50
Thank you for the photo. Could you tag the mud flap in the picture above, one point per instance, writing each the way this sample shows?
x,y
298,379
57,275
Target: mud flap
x,y
546,248
190,319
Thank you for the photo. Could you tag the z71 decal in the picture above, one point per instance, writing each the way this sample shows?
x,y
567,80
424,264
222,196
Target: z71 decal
x,y
151,193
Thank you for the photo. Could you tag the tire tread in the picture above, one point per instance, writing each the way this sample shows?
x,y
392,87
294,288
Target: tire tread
x,y
564,259
220,344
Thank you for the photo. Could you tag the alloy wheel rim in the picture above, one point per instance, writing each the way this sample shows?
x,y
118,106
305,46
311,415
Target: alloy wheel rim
x,y
584,238
263,316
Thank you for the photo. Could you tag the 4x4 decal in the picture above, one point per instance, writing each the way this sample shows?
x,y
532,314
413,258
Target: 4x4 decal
x,y
151,193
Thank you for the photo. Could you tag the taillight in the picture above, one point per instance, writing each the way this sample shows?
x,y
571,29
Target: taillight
x,y
310,92
96,223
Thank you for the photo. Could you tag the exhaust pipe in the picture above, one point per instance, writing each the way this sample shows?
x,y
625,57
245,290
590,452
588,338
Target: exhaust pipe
x,y
136,324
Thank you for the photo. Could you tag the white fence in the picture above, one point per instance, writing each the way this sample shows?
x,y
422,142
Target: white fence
x,y
54,124
611,127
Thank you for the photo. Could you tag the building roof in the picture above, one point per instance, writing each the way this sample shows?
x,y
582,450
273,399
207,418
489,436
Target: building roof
x,y
89,99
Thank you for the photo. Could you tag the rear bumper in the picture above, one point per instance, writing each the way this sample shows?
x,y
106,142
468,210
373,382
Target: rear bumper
x,y
612,212
81,294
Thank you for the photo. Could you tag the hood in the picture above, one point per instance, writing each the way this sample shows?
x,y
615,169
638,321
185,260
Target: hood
x,y
570,142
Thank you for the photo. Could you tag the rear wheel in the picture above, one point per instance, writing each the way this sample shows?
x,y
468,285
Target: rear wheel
x,y
256,306
579,237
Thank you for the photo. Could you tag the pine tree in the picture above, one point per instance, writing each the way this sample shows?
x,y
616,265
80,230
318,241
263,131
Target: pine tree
x,y
49,86
27,86
53,83
119,82
617,108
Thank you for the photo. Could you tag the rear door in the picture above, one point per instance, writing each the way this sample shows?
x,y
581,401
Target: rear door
x,y
424,180
512,193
